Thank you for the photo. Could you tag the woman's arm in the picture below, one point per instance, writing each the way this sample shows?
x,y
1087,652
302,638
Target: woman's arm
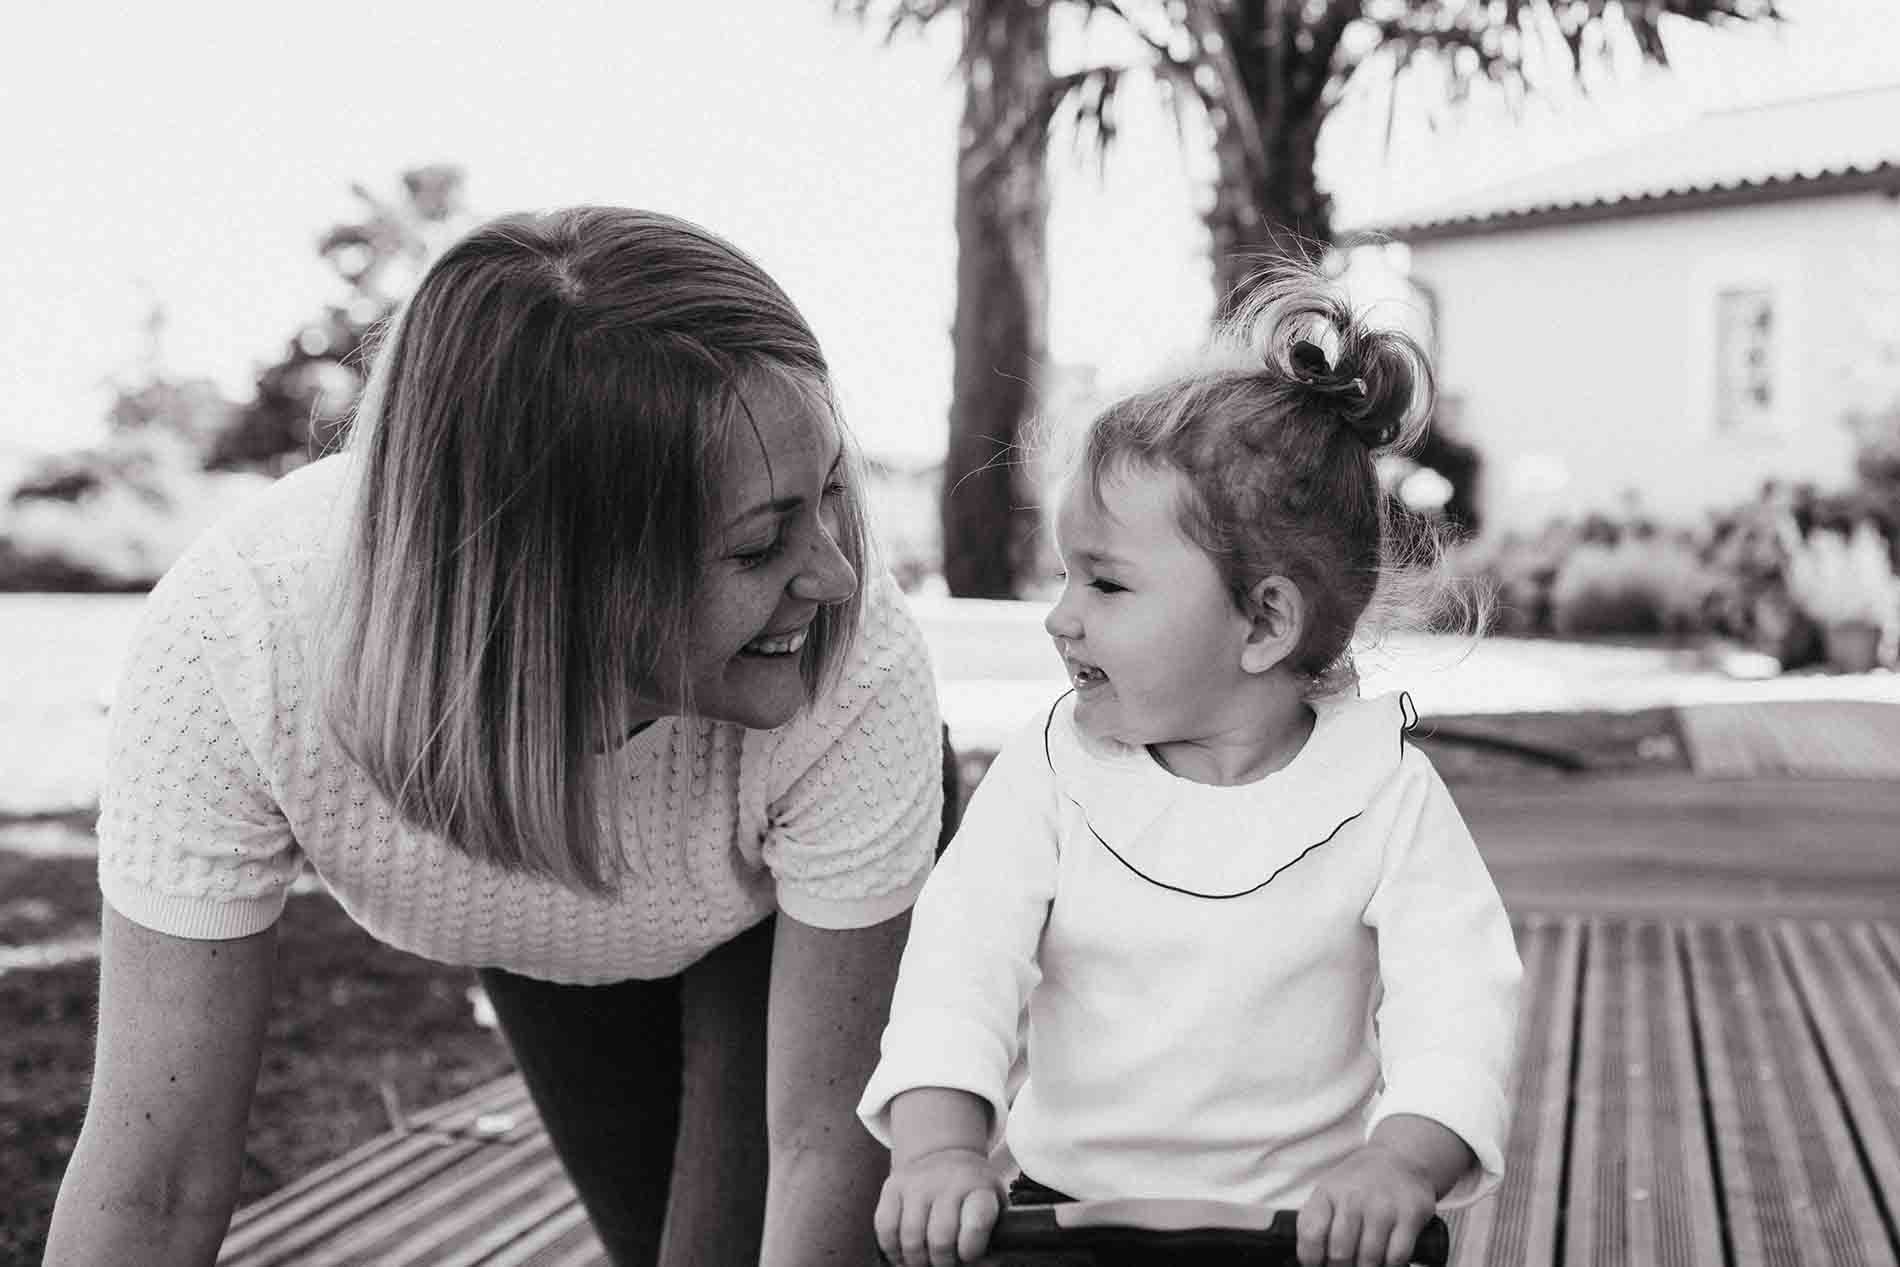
x,y
181,1027
831,994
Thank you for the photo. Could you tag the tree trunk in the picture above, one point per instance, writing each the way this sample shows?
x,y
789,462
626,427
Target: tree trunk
x,y
1267,203
1000,331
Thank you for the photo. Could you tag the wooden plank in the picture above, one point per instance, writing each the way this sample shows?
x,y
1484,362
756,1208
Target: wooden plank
x,y
434,1211
258,1240
408,1237
1792,1186
364,1164
1518,1224
564,1240
1640,1188
506,1227
1851,989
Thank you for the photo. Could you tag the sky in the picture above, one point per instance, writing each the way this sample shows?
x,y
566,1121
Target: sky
x,y
189,156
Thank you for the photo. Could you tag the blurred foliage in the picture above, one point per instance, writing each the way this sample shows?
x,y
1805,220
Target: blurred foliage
x,y
112,517
177,451
303,400
1773,574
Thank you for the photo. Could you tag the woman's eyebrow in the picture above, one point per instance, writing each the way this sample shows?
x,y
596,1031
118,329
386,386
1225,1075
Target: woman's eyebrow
x,y
782,505
778,506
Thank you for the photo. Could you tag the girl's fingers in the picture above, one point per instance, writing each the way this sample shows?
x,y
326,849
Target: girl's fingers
x,y
973,1228
1375,1236
913,1233
885,1221
1342,1243
1404,1237
1315,1223
946,1217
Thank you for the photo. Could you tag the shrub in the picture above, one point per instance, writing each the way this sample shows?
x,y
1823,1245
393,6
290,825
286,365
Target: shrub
x,y
1649,583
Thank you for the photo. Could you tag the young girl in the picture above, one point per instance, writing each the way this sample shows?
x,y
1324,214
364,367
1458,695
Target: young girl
x,y
1261,958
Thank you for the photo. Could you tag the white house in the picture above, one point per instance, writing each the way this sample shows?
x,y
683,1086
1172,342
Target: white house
x,y
1679,320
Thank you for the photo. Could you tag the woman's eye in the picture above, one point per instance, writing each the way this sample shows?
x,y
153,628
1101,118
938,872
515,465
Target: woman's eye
x,y
836,488
1107,586
760,555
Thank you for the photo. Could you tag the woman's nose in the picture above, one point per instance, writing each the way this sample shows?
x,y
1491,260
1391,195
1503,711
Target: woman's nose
x,y
827,576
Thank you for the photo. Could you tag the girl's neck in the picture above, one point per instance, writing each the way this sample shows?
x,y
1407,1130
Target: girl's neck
x,y
1263,737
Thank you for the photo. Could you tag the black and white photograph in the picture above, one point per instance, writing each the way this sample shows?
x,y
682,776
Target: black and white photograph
x,y
901,633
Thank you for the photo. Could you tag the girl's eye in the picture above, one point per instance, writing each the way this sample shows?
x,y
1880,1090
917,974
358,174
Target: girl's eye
x,y
1107,586
836,489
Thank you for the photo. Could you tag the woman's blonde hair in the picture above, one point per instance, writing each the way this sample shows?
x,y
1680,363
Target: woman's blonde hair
x,y
539,448
1276,430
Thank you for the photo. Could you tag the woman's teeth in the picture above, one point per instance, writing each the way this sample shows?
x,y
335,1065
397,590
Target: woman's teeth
x,y
783,644
1088,675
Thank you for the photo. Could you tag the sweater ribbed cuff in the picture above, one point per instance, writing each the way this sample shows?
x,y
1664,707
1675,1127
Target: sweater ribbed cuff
x,y
194,918
839,913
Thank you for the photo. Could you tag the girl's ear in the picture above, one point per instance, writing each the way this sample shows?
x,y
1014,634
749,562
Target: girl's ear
x,y
1277,617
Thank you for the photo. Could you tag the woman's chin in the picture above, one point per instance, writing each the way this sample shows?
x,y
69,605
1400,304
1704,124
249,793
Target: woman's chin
x,y
758,692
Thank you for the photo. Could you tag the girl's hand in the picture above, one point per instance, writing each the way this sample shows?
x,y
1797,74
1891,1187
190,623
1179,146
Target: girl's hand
x,y
1366,1212
938,1209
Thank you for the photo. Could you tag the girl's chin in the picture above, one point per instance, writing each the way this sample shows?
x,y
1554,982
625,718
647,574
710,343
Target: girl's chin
x,y
1098,719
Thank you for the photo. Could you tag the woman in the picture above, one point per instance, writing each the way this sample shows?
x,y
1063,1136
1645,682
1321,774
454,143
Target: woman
x,y
563,670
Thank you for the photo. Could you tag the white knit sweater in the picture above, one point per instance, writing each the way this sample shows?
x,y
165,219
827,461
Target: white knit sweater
x,y
1355,963
221,783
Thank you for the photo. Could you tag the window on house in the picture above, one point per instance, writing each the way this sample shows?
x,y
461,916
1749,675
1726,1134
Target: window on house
x,y
1745,388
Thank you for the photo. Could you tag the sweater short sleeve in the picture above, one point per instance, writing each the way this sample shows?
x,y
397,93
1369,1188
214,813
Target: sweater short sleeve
x,y
851,835
191,842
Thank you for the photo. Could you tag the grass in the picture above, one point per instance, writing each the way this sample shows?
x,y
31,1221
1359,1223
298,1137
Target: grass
x,y
350,1016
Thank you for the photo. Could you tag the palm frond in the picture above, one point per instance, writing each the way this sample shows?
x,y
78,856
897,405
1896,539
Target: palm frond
x,y
1499,40
896,16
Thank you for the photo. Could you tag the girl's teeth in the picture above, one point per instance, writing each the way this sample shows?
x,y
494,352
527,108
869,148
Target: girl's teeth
x,y
1089,676
777,646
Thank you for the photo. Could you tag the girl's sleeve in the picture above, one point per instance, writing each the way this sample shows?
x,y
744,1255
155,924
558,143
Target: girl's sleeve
x,y
971,959
1449,971
854,825
191,840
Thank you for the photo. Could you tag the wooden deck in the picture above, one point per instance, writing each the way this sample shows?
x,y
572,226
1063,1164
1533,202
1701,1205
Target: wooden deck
x,y
1690,1094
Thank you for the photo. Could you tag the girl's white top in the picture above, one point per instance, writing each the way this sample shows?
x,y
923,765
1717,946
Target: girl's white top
x,y
1229,1047
221,782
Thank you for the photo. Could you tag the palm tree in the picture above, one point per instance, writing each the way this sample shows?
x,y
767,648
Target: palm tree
x,y
999,333
1264,75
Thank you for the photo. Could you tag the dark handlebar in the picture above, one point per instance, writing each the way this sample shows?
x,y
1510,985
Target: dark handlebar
x,y
1130,1229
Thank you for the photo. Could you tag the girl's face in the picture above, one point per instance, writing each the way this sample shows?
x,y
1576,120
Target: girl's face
x,y
1145,626
773,559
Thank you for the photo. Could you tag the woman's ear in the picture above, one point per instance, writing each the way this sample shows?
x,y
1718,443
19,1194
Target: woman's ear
x,y
1277,617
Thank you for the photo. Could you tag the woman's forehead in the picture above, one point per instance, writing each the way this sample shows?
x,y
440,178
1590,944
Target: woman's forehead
x,y
783,431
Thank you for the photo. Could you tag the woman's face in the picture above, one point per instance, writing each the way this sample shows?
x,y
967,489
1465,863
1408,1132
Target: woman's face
x,y
773,558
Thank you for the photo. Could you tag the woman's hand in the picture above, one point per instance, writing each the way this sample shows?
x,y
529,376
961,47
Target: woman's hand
x,y
938,1209
1366,1212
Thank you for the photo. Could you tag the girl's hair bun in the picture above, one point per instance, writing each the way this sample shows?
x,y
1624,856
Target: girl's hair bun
x,y
1378,383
